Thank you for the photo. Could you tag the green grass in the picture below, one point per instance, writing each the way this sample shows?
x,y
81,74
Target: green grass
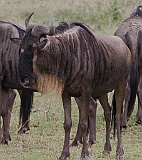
x,y
46,135
45,139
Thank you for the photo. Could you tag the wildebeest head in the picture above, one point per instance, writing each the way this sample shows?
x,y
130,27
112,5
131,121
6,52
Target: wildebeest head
x,y
30,43
137,12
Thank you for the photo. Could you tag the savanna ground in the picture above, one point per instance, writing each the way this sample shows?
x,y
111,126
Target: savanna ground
x,y
45,139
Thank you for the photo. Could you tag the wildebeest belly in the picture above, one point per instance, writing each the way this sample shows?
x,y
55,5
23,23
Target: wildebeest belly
x,y
99,86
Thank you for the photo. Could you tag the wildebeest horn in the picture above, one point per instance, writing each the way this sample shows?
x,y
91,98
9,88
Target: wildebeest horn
x,y
37,31
27,20
52,28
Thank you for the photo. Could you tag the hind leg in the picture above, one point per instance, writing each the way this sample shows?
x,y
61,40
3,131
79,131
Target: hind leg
x,y
1,131
119,97
78,137
124,123
91,123
139,115
7,104
139,94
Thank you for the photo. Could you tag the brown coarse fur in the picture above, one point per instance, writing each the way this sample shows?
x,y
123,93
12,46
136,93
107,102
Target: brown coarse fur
x,y
61,58
86,65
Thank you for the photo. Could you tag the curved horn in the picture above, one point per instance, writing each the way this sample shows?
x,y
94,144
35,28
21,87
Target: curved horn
x,y
52,28
37,31
27,19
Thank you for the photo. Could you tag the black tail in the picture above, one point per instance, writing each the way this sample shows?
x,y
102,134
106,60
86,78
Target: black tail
x,y
133,84
26,105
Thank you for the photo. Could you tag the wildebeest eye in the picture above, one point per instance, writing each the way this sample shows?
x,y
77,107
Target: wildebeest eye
x,y
22,50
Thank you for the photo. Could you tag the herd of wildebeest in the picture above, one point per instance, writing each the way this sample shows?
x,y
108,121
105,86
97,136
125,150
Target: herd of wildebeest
x,y
76,62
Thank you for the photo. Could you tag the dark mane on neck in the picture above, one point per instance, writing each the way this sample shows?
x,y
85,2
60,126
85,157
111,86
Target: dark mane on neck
x,y
84,26
63,26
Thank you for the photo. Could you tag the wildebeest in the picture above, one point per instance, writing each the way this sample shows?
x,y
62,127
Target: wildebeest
x,y
9,60
77,63
9,53
129,32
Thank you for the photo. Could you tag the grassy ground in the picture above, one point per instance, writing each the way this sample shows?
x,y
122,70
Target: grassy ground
x,y
45,139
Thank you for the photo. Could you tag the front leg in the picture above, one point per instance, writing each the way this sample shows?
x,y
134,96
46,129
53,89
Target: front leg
x,y
107,114
67,125
86,98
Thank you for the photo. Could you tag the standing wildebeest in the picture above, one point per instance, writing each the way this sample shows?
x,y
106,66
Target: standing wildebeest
x,y
77,63
129,32
9,53
9,60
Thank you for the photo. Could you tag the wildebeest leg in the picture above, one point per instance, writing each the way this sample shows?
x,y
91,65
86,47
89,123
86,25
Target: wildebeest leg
x,y
12,95
6,134
78,137
124,123
107,114
139,114
86,99
139,94
92,122
119,97
8,96
67,125
91,126
1,130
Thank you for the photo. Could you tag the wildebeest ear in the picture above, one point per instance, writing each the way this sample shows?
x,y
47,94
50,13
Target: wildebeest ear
x,y
42,44
16,40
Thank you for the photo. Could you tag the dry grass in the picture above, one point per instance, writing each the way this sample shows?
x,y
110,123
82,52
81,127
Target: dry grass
x,y
45,139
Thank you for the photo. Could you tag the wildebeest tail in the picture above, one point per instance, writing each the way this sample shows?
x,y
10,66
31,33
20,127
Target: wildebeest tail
x,y
133,83
26,105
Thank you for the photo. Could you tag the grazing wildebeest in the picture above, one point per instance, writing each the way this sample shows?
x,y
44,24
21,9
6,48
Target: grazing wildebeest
x,y
77,63
128,31
9,60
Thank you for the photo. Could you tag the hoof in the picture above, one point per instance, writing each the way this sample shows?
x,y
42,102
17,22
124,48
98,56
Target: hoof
x,y
120,153
139,122
85,154
91,142
75,143
85,158
64,156
124,124
106,152
5,140
23,130
119,157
